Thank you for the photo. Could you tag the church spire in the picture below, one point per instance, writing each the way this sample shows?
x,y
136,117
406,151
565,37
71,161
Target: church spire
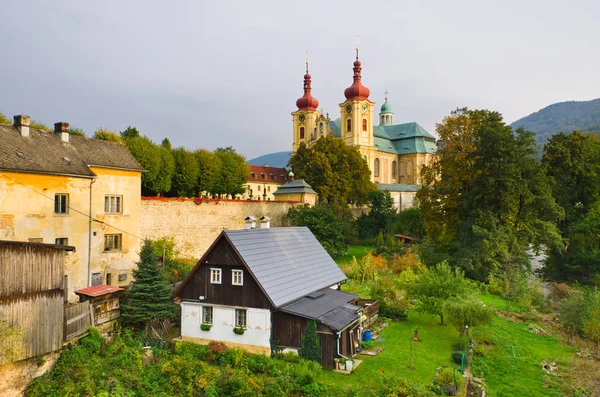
x,y
357,91
307,101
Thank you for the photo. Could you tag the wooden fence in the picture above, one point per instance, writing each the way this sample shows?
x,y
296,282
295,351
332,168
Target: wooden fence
x,y
77,320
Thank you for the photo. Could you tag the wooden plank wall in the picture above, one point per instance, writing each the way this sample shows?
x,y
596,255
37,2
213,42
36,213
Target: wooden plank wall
x,y
77,320
32,296
39,317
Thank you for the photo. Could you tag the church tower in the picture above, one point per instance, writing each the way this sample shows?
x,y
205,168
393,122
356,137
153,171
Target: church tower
x,y
386,116
356,121
307,117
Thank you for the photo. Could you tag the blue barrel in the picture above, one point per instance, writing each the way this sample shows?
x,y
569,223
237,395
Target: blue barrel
x,y
367,335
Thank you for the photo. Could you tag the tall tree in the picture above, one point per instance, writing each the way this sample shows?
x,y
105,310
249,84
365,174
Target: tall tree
x,y
130,132
166,143
146,153
336,171
233,174
164,176
150,296
573,164
381,215
485,199
185,177
209,165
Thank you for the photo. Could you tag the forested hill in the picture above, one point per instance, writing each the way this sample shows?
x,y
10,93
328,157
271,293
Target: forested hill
x,y
563,117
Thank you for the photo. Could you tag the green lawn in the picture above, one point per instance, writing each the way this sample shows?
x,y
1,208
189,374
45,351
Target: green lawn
x,y
357,251
434,351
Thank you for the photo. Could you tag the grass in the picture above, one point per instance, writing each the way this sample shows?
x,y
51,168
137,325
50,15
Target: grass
x,y
357,251
434,351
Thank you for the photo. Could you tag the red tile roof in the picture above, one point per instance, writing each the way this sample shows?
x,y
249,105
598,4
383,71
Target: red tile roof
x,y
259,173
98,290
406,237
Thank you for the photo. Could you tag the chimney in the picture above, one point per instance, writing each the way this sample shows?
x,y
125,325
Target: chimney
x,y
22,123
62,130
250,222
265,222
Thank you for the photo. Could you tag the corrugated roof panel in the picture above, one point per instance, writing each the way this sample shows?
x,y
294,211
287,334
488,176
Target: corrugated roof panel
x,y
287,262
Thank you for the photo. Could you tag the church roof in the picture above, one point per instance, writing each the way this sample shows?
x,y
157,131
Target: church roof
x,y
294,186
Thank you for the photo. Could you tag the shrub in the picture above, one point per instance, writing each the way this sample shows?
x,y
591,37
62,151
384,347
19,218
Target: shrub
x,y
205,327
463,312
395,386
239,330
291,357
310,347
479,367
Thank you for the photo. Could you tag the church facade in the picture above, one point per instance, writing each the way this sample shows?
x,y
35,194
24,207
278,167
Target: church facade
x,y
395,152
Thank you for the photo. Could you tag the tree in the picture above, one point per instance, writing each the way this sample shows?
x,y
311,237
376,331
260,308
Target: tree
x,y
435,286
209,165
485,199
146,153
380,216
166,143
409,222
5,120
185,177
150,296
333,230
130,132
336,171
105,134
591,326
572,163
467,311
76,131
164,177
233,173
310,348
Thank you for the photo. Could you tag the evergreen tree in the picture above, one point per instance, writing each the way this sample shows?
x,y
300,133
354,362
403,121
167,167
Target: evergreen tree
x,y
150,296
310,348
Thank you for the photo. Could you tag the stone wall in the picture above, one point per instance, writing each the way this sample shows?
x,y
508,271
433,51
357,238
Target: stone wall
x,y
195,223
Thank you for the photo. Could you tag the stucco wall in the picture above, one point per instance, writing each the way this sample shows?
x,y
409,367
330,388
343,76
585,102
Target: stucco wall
x,y
195,223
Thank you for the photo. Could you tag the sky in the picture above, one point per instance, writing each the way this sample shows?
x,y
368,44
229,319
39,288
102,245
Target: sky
x,y
210,74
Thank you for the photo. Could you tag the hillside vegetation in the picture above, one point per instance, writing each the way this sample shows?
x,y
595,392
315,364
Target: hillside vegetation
x,y
563,117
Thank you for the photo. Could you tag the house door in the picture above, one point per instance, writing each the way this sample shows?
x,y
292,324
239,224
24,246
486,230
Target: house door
x,y
108,278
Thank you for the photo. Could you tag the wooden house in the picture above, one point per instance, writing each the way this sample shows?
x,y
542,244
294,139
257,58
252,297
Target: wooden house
x,y
266,284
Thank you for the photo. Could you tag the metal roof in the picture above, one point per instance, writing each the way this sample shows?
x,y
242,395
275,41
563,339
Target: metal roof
x,y
287,262
294,186
98,290
324,305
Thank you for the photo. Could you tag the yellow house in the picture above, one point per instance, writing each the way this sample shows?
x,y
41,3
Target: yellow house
x,y
263,181
72,190
395,153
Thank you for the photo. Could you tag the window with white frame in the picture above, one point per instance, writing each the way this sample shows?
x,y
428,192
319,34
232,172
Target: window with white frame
x,y
215,276
240,318
113,204
237,277
207,315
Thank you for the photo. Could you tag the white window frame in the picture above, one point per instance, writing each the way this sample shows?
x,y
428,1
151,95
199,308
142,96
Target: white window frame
x,y
113,204
239,314
235,274
216,275
205,311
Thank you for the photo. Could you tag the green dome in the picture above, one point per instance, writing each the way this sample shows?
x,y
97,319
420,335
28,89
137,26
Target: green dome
x,y
386,108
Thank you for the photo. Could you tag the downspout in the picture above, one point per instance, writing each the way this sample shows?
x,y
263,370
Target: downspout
x,y
90,219
338,346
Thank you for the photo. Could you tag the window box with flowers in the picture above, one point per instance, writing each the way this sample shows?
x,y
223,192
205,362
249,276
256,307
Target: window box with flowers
x,y
205,327
239,330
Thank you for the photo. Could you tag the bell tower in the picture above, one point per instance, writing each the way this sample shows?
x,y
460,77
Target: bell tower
x,y
307,117
356,115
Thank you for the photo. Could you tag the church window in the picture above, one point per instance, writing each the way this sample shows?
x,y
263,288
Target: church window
x,y
301,132
376,168
394,169
364,124
409,168
321,128
348,125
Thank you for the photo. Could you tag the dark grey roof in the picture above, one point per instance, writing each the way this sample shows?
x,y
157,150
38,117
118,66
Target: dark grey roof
x,y
295,186
340,317
44,152
320,304
287,262
99,153
398,187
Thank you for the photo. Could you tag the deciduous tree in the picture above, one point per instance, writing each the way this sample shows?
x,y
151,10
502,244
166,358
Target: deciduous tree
x,y
467,311
185,177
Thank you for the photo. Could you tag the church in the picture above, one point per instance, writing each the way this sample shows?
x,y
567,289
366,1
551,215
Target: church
x,y
395,152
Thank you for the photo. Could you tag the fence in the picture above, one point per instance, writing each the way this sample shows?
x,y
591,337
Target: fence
x,y
77,320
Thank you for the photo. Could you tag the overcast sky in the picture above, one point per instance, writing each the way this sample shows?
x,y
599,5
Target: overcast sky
x,y
228,73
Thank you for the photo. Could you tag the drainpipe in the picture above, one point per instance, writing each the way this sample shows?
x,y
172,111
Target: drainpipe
x,y
338,346
90,218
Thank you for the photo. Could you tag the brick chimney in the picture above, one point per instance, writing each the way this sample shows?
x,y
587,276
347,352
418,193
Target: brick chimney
x,y
22,123
62,130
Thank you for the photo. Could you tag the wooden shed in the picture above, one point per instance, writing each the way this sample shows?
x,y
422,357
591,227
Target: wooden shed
x,y
32,297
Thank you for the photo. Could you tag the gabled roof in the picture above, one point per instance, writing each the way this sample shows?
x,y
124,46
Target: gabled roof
x,y
294,186
266,174
44,152
286,262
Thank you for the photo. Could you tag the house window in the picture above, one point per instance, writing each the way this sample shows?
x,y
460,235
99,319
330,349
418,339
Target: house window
x,y
96,279
61,241
112,242
237,277
348,125
61,203
215,276
394,169
376,168
113,204
240,318
364,122
268,188
122,276
207,315
301,132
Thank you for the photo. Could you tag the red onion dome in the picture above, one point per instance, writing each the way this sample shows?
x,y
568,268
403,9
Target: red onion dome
x,y
357,90
307,102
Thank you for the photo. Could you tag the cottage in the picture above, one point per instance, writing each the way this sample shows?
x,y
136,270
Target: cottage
x,y
258,287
